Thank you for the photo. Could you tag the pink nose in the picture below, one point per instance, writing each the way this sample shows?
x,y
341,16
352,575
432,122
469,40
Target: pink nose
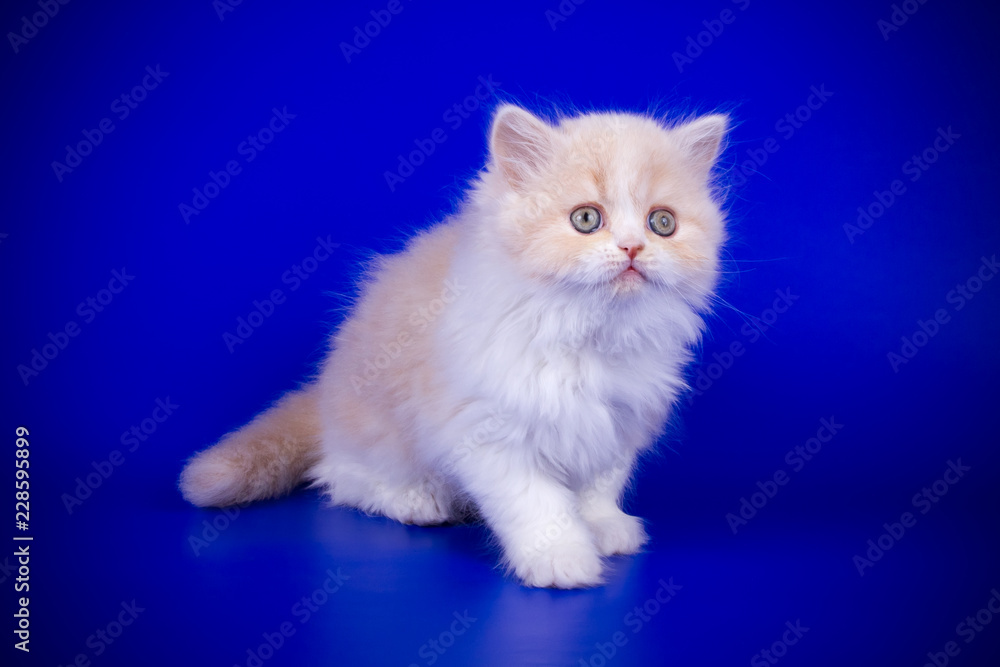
x,y
631,251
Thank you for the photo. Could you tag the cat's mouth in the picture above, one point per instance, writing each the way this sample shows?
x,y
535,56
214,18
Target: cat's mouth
x,y
632,272
630,278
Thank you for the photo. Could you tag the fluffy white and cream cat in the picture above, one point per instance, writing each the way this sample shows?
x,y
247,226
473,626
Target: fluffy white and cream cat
x,y
514,360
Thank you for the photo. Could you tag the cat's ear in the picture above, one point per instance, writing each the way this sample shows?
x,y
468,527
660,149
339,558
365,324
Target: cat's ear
x,y
520,144
701,140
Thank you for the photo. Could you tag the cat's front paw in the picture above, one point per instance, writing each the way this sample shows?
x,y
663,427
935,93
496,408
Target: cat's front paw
x,y
560,565
618,533
424,505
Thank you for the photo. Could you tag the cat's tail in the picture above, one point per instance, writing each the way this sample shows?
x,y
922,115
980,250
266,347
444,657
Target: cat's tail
x,y
266,458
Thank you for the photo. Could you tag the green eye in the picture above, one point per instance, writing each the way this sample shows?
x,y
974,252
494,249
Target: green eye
x,y
662,222
586,219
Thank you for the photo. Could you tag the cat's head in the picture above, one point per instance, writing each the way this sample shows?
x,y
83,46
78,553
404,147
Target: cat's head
x,y
611,202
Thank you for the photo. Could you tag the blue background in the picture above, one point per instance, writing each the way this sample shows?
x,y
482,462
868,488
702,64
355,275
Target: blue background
x,y
209,595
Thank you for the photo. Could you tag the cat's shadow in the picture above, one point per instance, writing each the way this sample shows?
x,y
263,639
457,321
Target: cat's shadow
x,y
463,552
349,532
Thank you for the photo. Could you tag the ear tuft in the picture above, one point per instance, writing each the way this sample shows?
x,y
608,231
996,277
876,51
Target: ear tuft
x,y
520,144
702,138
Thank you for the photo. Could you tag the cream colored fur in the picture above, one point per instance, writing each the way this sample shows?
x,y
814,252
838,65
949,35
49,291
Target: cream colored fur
x,y
504,362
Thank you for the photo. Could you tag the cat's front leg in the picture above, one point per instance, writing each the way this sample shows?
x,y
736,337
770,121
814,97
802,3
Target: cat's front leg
x,y
615,532
545,541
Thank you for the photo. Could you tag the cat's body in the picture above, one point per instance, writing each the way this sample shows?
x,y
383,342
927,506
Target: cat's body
x,y
511,360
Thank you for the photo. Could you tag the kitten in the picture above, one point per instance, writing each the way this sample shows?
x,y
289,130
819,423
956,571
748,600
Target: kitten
x,y
514,360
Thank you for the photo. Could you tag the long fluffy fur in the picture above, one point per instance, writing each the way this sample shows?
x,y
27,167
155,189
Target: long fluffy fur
x,y
503,360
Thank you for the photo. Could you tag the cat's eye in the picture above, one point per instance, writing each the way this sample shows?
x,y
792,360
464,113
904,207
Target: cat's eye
x,y
586,219
662,221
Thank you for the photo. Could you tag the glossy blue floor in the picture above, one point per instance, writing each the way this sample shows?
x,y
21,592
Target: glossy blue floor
x,y
826,494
